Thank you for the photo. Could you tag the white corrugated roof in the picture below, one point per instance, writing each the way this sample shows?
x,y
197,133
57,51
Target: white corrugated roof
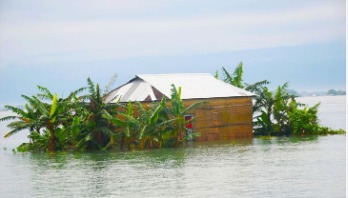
x,y
193,85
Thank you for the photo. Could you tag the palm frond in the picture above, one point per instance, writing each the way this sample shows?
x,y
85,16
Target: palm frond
x,y
91,87
130,108
141,108
113,119
31,100
177,104
167,122
8,118
16,110
285,86
142,132
174,92
16,126
46,94
227,76
216,74
98,95
238,76
12,133
42,107
76,92
193,106
155,114
130,119
30,111
256,87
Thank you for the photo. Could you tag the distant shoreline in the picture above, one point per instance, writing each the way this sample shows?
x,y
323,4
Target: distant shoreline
x,y
3,109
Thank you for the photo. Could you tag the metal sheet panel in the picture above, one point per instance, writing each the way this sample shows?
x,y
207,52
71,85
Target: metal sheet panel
x,y
136,90
193,85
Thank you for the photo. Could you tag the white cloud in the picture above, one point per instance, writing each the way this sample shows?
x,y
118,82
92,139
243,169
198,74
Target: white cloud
x,y
98,39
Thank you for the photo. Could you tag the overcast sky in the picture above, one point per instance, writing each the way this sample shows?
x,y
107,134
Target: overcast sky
x,y
59,43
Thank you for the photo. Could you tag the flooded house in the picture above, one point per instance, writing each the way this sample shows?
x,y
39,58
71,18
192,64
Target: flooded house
x,y
227,113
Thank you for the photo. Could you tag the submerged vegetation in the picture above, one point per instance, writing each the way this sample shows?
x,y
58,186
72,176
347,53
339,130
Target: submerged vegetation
x,y
277,113
86,122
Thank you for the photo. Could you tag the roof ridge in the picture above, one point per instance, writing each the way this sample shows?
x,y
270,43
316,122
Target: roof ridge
x,y
164,74
152,85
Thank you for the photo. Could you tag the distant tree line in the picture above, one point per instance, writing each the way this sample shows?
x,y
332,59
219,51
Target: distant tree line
x,y
331,92
335,92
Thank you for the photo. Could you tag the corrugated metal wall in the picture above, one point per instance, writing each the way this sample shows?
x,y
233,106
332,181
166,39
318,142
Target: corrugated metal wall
x,y
223,118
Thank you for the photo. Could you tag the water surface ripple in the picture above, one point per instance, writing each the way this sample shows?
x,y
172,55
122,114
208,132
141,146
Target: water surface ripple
x,y
276,167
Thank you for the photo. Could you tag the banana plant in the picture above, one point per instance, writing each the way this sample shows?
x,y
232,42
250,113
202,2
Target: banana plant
x,y
36,117
177,112
264,104
280,110
99,133
303,121
44,115
151,125
235,78
144,128
263,97
54,117
23,120
126,126
263,124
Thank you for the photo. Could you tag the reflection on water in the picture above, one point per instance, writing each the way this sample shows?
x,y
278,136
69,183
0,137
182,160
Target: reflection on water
x,y
258,167
285,140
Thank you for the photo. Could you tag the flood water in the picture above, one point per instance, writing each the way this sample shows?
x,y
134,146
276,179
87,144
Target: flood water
x,y
276,167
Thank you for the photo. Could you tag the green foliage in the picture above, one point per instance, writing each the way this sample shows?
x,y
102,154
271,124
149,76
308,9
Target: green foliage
x,y
235,78
303,121
86,122
278,113
329,131
216,75
178,112
280,110
263,125
46,121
